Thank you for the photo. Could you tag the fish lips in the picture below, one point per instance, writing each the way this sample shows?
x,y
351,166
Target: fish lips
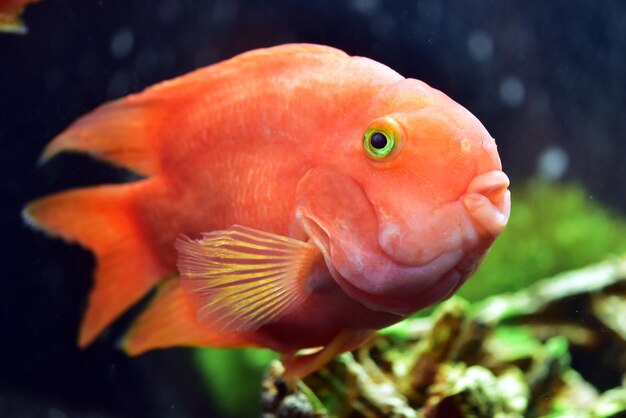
x,y
488,202
471,221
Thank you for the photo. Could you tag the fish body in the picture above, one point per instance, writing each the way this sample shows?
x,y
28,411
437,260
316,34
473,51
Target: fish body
x,y
293,197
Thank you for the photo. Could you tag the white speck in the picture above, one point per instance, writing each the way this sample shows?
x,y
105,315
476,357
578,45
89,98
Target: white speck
x,y
466,146
389,235
512,91
122,43
480,45
552,163
364,6
430,11
356,260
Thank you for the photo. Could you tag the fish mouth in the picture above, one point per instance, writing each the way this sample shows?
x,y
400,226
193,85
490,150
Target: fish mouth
x,y
488,203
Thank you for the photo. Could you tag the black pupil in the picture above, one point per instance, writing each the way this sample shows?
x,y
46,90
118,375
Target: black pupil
x,y
378,140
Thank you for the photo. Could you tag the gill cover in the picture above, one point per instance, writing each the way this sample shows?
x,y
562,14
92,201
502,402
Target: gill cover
x,y
335,213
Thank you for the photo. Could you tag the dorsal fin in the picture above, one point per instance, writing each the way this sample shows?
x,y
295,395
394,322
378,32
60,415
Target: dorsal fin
x,y
121,132
126,132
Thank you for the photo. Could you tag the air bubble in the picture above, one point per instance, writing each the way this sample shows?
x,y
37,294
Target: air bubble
x,y
512,91
480,45
122,43
364,6
552,163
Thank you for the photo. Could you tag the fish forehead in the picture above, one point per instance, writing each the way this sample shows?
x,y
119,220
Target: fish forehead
x,y
298,103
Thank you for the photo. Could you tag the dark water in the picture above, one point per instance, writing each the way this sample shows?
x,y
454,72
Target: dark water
x,y
548,79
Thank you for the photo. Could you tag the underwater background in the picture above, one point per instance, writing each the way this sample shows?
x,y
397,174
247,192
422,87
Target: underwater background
x,y
547,79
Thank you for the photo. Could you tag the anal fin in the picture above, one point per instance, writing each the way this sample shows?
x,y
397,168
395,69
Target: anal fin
x,y
170,320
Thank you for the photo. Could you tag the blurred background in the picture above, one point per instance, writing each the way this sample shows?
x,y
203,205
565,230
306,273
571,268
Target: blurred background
x,y
547,79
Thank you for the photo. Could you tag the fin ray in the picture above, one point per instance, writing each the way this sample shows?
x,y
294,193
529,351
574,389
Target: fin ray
x,y
242,278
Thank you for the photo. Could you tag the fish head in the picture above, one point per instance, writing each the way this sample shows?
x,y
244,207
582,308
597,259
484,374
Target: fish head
x,y
407,213
442,187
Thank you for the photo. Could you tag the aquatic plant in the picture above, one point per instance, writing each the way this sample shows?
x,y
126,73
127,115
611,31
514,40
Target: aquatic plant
x,y
521,354
234,376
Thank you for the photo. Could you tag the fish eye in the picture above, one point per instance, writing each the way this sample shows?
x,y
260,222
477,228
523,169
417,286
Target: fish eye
x,y
378,143
379,140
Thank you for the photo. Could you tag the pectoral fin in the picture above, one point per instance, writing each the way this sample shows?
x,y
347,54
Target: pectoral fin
x,y
240,279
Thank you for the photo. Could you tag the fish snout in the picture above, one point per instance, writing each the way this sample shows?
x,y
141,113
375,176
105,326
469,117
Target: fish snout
x,y
488,202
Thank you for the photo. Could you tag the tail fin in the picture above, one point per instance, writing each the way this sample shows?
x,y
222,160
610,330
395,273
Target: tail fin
x,y
102,219
171,321
125,132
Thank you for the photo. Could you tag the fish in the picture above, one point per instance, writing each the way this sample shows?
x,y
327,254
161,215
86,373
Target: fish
x,y
293,197
10,12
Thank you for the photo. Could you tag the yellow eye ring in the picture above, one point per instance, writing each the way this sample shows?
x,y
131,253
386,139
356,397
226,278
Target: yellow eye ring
x,y
382,137
378,143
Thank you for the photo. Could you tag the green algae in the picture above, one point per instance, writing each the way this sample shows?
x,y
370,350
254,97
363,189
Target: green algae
x,y
233,377
552,228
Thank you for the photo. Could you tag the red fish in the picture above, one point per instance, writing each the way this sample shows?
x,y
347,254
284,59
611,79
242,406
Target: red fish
x,y
293,197
10,11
